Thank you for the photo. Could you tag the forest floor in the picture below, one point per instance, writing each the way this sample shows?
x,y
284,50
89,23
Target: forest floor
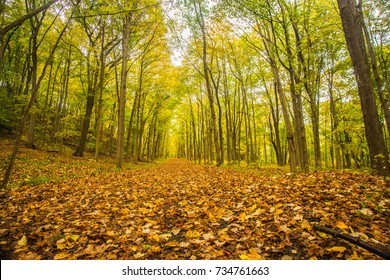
x,y
63,207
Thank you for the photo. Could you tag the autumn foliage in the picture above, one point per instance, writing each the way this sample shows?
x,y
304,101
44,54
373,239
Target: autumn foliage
x,y
180,210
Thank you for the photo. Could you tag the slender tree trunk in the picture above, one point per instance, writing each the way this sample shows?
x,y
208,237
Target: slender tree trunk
x,y
91,92
334,125
201,22
291,142
122,93
100,97
35,24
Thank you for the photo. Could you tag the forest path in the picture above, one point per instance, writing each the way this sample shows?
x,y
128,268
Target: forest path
x,y
180,210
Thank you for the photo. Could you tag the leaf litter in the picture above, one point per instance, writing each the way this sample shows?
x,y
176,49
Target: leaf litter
x,y
180,210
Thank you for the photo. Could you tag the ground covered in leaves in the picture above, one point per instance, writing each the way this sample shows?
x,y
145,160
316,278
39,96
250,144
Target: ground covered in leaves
x,y
180,210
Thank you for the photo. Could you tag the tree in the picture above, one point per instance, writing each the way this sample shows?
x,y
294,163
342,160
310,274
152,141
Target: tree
x,y
353,32
34,92
206,74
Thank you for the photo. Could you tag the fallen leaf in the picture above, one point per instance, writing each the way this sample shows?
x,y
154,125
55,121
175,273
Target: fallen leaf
x,y
61,256
208,236
341,225
305,225
74,237
366,212
61,246
337,249
23,241
192,234
184,244
139,255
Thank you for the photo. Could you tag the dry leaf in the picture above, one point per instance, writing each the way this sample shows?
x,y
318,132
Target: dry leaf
x,y
337,249
341,225
180,210
23,241
61,256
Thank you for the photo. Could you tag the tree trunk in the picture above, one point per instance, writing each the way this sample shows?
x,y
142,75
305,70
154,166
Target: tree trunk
x,y
100,98
201,22
291,143
122,93
35,24
374,67
91,92
353,33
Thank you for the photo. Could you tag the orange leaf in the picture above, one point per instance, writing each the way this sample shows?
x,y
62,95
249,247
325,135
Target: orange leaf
x,y
341,225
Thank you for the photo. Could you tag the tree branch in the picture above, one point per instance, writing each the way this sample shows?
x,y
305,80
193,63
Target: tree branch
x,y
354,240
30,14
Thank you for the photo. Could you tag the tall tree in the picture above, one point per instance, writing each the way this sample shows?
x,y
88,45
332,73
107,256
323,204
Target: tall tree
x,y
34,92
206,74
353,32
122,91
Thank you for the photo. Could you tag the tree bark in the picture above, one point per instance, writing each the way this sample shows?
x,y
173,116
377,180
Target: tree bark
x,y
352,27
122,92
201,23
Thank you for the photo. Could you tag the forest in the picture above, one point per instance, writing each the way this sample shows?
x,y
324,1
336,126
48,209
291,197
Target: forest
x,y
278,109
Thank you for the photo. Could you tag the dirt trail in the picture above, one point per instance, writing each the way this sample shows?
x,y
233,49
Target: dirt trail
x,y
179,210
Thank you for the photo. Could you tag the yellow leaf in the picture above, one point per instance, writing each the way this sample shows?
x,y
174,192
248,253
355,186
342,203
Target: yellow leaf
x,y
61,246
259,211
253,255
172,244
23,241
74,237
242,217
155,249
139,255
134,248
254,206
61,256
323,235
155,237
278,211
192,234
225,237
337,249
210,215
341,225
313,258
305,225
